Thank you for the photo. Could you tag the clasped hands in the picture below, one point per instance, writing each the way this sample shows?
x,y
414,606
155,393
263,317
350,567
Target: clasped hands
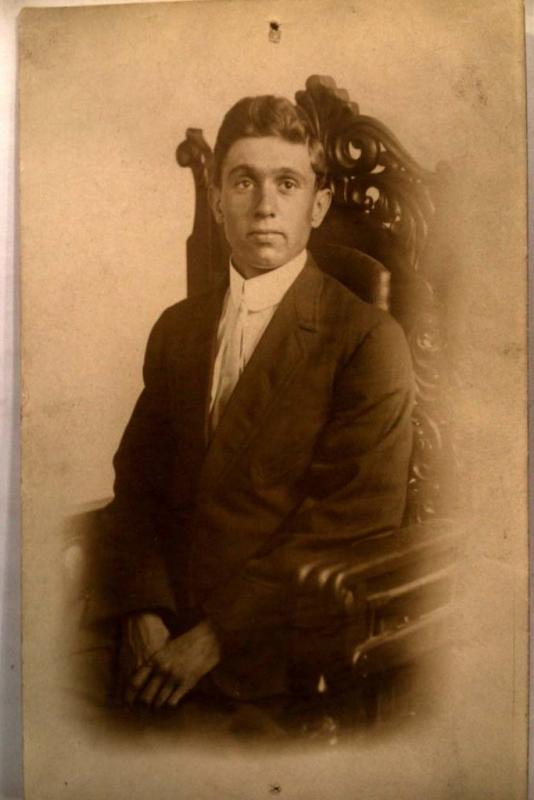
x,y
158,671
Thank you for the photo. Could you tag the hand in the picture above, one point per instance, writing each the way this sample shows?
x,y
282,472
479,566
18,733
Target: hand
x,y
143,635
173,670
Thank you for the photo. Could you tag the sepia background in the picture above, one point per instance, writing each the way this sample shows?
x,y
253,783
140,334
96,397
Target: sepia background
x,y
105,96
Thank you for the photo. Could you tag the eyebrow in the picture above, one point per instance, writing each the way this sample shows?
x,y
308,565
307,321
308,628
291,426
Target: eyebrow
x,y
279,171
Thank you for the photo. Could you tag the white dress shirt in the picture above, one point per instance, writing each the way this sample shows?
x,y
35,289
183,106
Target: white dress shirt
x,y
248,308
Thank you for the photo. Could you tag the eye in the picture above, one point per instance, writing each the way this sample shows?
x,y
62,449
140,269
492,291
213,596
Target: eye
x,y
243,183
288,184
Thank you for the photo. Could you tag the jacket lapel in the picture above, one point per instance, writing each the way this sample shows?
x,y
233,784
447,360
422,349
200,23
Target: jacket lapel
x,y
195,355
277,355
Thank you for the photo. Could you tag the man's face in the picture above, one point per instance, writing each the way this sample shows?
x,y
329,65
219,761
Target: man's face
x,y
267,202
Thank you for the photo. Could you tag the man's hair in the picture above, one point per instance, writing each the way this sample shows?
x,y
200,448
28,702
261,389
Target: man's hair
x,y
267,115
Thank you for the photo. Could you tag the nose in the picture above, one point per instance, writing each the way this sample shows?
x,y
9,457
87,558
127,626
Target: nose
x,y
266,200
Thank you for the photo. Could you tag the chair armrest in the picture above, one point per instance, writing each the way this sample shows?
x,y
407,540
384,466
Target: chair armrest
x,y
82,538
401,583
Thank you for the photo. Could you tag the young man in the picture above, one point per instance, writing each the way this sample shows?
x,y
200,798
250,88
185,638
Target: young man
x,y
275,424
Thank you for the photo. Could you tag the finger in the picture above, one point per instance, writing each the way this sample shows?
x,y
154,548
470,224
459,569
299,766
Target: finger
x,y
164,693
132,677
152,688
178,693
136,683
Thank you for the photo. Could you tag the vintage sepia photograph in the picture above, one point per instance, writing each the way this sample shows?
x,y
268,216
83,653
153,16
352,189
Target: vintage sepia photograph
x,y
273,262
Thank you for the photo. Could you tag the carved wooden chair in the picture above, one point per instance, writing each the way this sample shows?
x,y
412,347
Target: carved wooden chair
x,y
382,239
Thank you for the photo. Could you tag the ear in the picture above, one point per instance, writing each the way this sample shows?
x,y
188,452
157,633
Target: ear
x,y
214,197
321,204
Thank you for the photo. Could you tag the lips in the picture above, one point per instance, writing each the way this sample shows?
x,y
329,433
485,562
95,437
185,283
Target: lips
x,y
260,233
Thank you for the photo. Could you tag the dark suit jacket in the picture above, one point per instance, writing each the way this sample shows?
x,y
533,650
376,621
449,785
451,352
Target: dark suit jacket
x,y
310,454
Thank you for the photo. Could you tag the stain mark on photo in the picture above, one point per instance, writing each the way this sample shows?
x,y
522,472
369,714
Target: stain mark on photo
x,y
275,31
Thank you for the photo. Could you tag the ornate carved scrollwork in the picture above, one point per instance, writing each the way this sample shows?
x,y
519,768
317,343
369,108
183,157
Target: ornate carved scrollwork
x,y
433,456
369,169
196,153
205,246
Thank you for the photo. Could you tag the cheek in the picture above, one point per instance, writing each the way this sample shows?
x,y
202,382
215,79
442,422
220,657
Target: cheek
x,y
232,223
236,214
301,221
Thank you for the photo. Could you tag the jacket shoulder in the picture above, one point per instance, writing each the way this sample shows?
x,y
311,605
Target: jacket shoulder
x,y
371,339
186,311
346,310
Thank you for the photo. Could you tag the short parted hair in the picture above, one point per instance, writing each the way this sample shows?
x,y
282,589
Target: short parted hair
x,y
267,115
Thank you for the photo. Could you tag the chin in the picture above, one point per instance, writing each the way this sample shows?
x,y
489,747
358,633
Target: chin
x,y
267,260
269,266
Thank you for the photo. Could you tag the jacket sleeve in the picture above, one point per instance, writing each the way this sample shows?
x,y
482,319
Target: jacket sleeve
x,y
133,575
356,485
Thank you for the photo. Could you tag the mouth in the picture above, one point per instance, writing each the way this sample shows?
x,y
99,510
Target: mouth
x,y
264,233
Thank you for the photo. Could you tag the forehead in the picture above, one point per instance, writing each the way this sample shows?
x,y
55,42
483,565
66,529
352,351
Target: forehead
x,y
268,154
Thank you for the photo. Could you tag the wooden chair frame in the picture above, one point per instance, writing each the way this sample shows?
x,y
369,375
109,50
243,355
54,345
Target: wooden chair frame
x,y
388,206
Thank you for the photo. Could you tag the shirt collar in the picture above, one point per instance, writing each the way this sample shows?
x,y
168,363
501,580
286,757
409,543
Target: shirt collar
x,y
265,291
